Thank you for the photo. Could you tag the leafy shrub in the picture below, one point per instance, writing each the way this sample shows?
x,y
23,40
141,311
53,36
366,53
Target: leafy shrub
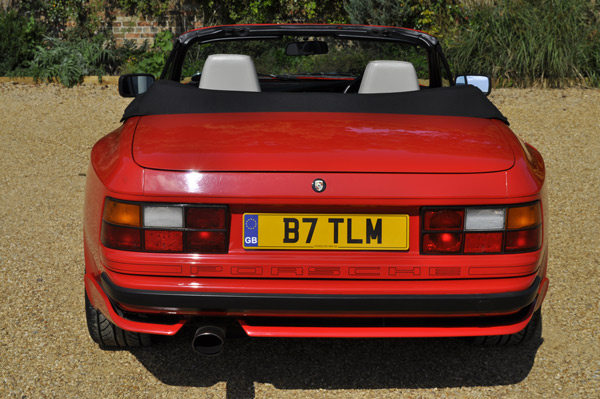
x,y
68,62
153,60
216,12
18,38
89,16
155,8
441,18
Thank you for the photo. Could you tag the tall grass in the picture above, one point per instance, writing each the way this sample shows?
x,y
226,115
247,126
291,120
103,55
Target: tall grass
x,y
529,42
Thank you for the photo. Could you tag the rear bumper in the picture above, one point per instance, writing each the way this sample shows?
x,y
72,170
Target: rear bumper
x,y
316,315
249,303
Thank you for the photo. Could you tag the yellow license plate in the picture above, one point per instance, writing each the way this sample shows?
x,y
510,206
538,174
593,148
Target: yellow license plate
x,y
325,231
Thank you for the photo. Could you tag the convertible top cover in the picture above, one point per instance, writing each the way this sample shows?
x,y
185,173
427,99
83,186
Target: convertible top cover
x,y
167,97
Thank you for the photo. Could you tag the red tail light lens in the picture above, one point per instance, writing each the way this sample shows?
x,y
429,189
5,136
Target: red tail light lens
x,y
442,243
205,218
479,243
444,219
153,227
163,240
524,240
214,242
121,237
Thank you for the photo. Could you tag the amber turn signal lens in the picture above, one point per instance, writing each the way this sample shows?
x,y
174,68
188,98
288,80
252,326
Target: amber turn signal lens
x,y
524,216
121,213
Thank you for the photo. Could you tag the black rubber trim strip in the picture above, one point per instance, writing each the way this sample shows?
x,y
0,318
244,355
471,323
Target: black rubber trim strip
x,y
382,322
227,301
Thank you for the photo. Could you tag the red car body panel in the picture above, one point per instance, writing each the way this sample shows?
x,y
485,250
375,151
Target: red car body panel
x,y
321,142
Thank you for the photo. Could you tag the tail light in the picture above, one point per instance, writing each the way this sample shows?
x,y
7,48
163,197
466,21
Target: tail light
x,y
481,230
444,219
442,242
180,228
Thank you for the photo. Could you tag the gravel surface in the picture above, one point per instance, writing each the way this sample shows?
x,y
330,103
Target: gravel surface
x,y
46,136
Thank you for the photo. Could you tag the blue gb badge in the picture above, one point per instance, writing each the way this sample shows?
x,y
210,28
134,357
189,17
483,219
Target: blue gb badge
x,y
250,231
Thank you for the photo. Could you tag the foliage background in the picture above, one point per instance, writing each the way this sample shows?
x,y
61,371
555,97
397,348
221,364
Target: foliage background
x,y
518,42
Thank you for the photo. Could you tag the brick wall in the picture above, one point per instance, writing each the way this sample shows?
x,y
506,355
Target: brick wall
x,y
138,29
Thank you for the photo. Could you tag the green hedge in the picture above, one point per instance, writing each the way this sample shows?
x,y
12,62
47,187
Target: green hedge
x,y
517,42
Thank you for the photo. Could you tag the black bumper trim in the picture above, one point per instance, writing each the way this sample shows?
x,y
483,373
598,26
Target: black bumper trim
x,y
227,301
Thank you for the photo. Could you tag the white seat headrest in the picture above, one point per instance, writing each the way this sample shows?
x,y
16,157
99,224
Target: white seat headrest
x,y
389,77
234,72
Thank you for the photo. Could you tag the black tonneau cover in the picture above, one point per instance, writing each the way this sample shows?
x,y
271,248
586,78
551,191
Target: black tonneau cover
x,y
167,97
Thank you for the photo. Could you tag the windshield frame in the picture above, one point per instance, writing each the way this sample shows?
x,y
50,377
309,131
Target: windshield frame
x,y
436,60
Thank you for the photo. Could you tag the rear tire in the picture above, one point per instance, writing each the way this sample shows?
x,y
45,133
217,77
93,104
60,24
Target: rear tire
x,y
107,334
526,334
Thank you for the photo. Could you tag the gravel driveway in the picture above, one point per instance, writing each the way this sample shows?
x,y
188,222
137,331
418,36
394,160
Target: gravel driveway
x,y
46,136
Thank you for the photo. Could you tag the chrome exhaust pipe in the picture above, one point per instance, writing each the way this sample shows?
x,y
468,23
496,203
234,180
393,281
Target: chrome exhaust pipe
x,y
209,340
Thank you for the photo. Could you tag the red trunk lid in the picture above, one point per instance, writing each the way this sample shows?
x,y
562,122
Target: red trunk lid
x,y
321,142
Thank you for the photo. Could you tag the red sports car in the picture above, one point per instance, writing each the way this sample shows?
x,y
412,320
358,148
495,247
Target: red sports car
x,y
312,181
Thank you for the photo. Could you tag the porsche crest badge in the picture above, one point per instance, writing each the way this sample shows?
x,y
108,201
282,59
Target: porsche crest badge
x,y
319,185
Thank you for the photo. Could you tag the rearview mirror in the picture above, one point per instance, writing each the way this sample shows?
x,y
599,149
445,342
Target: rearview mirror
x,y
482,82
131,85
307,48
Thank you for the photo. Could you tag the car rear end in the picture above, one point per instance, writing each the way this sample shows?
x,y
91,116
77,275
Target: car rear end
x,y
391,229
